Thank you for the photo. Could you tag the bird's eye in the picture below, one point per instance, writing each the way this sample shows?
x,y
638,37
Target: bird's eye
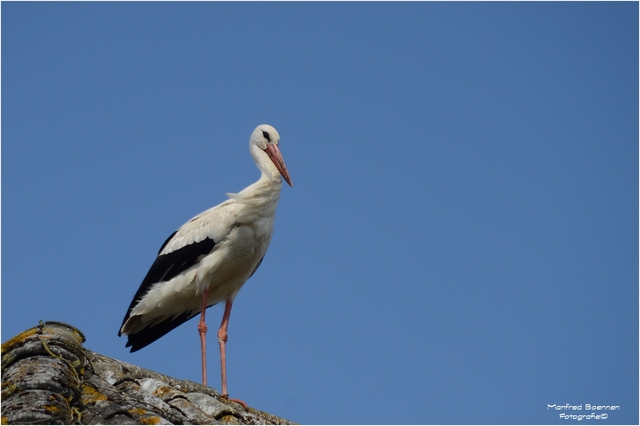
x,y
266,135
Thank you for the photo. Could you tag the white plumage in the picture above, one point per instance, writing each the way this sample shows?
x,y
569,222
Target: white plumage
x,y
209,258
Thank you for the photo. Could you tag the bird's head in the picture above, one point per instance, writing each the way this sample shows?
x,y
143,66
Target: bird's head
x,y
266,139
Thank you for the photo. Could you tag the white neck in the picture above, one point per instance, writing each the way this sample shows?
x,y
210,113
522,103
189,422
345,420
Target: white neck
x,y
265,193
264,163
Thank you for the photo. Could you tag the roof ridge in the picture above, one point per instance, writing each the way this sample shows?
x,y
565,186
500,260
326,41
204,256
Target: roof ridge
x,y
50,378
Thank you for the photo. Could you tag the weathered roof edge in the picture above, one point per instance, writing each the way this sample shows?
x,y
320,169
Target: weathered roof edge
x,y
48,377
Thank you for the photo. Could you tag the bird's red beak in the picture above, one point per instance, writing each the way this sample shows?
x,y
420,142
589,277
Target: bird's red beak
x,y
276,157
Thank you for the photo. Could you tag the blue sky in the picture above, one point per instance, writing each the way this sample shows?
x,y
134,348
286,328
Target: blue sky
x,y
461,241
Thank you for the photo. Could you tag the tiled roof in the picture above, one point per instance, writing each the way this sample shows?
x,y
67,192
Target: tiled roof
x,y
48,377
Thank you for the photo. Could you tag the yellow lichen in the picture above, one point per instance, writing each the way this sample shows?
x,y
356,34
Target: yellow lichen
x,y
155,420
229,419
90,395
162,391
17,339
51,408
79,335
152,420
8,389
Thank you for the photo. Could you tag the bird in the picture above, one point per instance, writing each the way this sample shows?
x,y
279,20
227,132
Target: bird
x,y
209,258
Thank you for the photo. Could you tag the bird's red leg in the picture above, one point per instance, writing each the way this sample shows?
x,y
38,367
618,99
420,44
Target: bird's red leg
x,y
202,329
222,339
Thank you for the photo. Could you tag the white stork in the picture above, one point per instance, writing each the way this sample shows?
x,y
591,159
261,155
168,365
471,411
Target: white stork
x,y
209,258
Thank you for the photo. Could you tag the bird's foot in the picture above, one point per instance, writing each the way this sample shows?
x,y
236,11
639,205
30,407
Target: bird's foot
x,y
239,401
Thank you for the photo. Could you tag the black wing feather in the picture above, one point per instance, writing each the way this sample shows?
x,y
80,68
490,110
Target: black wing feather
x,y
169,265
151,334
164,268
256,268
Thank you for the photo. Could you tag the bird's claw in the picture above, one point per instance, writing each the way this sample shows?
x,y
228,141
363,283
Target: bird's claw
x,y
239,401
